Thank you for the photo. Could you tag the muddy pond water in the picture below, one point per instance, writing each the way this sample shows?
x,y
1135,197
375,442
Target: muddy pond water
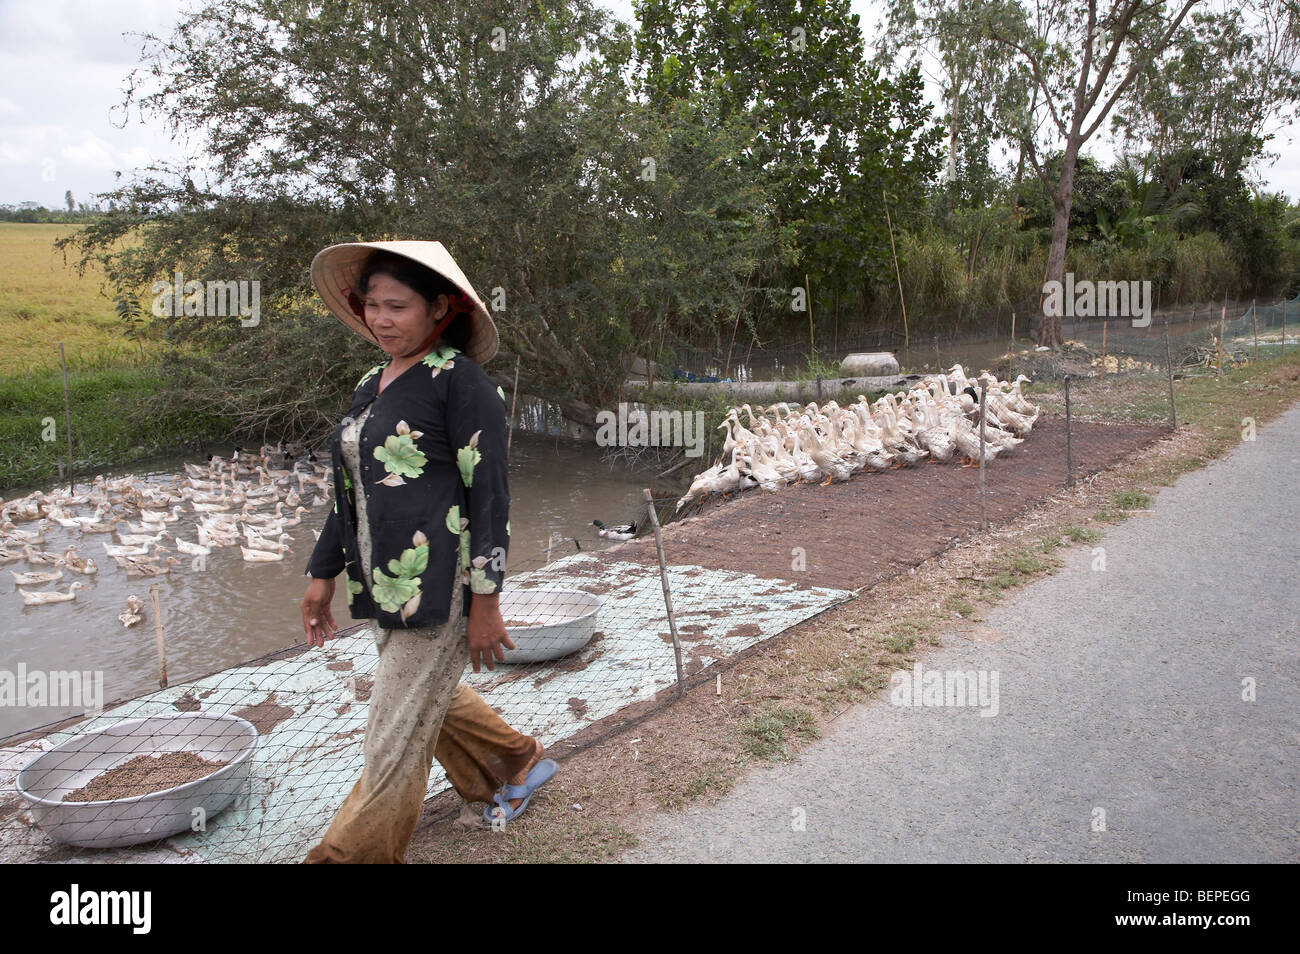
x,y
230,611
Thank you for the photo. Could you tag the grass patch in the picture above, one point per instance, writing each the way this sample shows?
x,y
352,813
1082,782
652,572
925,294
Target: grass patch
x,y
1082,535
765,735
959,605
708,782
1028,564
1132,500
899,644
107,428
1015,569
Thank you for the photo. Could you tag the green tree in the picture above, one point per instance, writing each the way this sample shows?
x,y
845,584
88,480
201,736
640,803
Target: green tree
x,y
1078,61
503,128
832,137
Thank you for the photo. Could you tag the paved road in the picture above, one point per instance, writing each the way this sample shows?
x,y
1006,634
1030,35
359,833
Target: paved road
x,y
1118,690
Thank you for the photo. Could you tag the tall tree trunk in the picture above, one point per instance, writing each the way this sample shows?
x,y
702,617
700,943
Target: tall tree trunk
x,y
1049,326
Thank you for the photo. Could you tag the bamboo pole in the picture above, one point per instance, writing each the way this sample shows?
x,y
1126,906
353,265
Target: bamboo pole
x,y
1069,437
807,289
67,417
668,597
1169,366
984,518
897,272
514,396
158,637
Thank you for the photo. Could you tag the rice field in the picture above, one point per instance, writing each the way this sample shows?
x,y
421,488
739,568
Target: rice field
x,y
43,301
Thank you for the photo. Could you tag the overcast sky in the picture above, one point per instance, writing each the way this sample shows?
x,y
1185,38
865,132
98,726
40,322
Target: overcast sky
x,y
63,65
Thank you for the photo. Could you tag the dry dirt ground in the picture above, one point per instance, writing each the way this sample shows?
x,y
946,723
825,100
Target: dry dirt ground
x,y
860,532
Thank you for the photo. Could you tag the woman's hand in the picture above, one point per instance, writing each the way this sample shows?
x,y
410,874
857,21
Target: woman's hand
x,y
317,620
486,631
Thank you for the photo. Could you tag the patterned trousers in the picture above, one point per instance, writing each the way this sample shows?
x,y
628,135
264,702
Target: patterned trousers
x,y
420,711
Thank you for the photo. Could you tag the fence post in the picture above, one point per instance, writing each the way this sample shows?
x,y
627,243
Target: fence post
x,y
1223,317
984,519
1169,365
1284,326
1104,325
668,598
1011,351
1254,324
1069,438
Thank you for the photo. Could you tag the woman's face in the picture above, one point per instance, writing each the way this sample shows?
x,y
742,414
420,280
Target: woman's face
x,y
400,317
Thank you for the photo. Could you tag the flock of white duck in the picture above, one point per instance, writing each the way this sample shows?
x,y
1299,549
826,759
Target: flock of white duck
x,y
221,505
939,418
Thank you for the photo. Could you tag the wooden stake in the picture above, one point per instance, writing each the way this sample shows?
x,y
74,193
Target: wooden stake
x,y
67,417
984,518
1169,366
1069,438
158,637
668,597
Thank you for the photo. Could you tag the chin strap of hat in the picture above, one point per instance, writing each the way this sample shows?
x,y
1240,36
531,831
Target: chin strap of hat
x,y
433,335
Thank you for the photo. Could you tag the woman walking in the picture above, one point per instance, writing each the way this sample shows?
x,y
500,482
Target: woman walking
x,y
420,524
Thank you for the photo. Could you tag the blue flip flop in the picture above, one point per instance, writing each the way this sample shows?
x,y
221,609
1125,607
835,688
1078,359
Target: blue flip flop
x,y
538,775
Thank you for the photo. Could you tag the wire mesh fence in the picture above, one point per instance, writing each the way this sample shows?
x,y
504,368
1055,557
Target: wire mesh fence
x,y
250,763
1192,327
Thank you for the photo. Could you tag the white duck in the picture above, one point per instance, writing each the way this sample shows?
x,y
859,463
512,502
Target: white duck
x,y
36,579
53,596
262,556
716,480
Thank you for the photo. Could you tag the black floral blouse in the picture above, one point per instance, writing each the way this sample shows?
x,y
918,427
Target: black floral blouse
x,y
434,472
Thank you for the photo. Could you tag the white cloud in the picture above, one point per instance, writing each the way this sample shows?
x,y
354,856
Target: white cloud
x,y
89,151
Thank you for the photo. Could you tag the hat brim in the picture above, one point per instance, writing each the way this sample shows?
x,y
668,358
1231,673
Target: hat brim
x,y
336,272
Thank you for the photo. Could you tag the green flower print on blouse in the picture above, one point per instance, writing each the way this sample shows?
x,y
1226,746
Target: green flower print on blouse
x,y
467,459
440,359
401,590
459,526
400,456
478,580
471,570
354,588
366,377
